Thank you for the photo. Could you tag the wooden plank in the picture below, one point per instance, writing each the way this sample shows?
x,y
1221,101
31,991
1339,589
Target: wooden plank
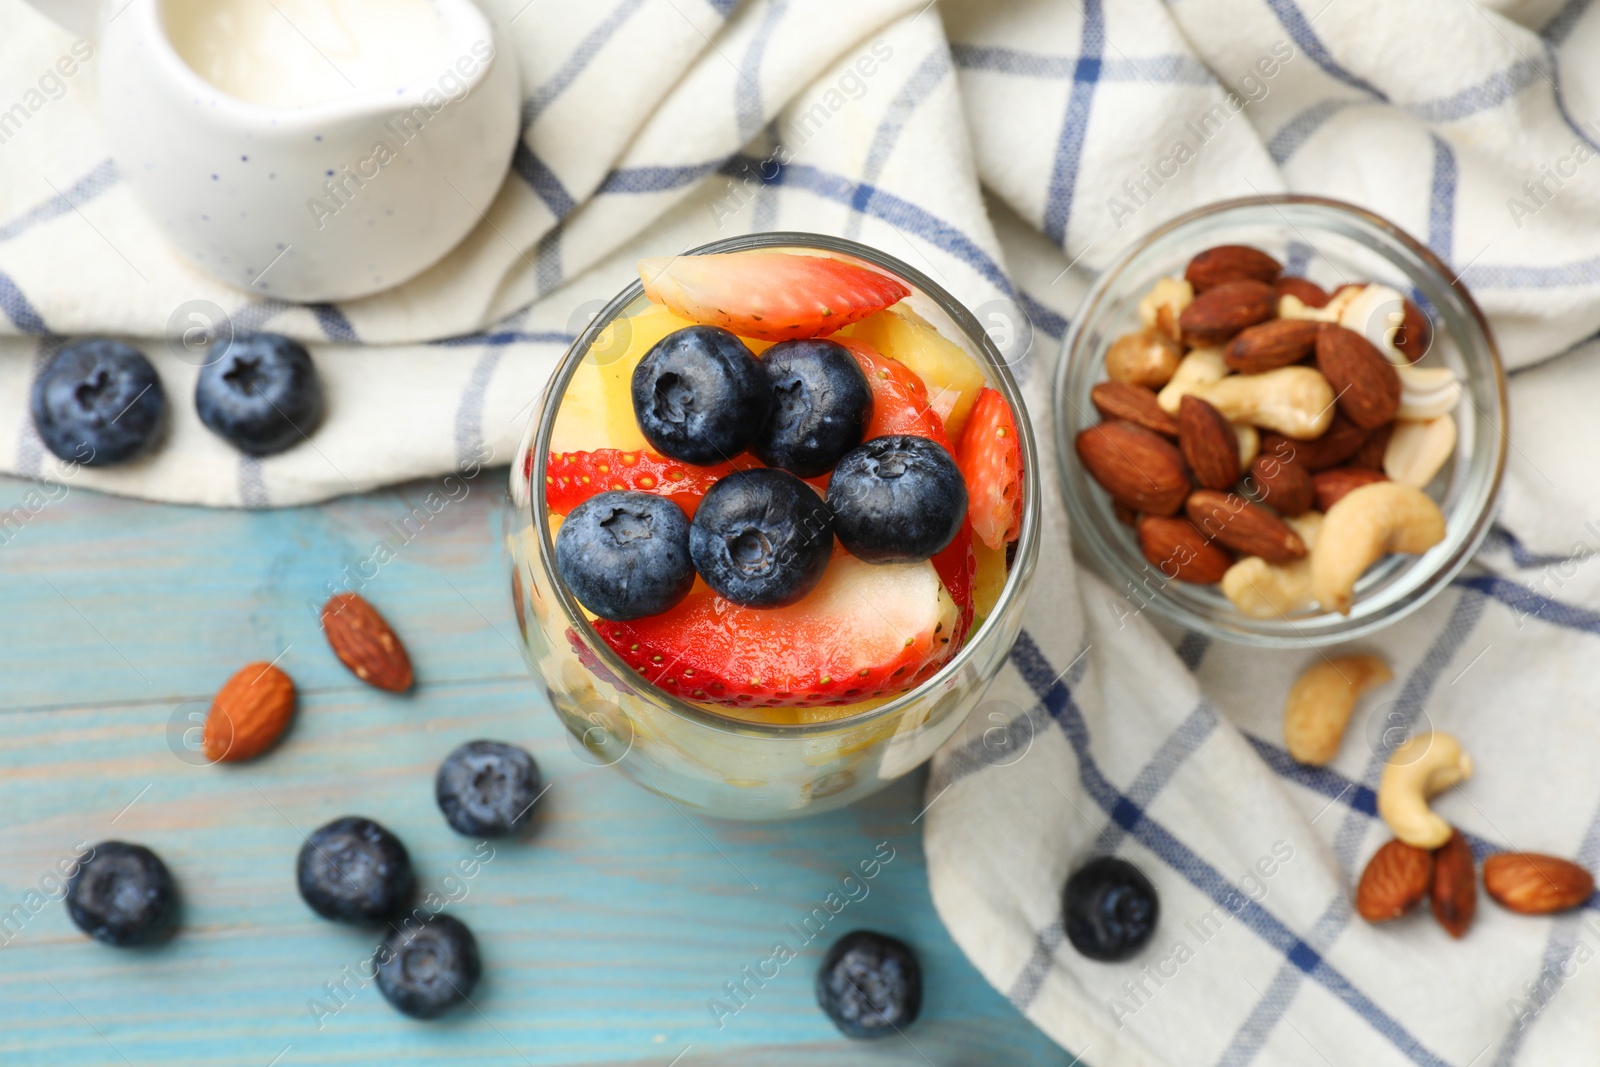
x,y
604,936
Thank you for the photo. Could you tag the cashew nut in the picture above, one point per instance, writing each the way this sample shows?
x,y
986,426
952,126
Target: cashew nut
x,y
1377,312
1417,450
1201,366
1295,401
1161,306
1262,590
1366,524
1422,767
1292,307
1249,444
1320,702
1427,392
1143,357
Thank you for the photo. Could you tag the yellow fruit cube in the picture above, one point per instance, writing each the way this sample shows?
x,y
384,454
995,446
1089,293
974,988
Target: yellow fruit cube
x,y
597,410
954,379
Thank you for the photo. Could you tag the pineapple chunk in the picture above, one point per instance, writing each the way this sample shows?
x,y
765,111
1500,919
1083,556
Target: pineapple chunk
x,y
954,379
597,410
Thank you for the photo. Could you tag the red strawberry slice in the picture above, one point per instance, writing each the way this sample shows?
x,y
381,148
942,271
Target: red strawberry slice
x,y
990,458
776,296
899,397
957,565
570,478
864,631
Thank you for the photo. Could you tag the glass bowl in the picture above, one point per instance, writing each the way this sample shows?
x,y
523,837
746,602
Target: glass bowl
x,y
750,763
1329,242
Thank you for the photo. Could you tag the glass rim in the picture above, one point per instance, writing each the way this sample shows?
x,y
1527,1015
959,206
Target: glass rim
x,y
1027,541
1243,629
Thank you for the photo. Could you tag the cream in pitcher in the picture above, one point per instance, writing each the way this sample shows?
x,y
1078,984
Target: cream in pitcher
x,y
310,150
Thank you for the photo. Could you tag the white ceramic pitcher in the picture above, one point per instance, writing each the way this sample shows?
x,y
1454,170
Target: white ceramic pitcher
x,y
317,202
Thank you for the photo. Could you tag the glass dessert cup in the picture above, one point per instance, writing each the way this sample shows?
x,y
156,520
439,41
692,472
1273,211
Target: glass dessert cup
x,y
748,763
1329,242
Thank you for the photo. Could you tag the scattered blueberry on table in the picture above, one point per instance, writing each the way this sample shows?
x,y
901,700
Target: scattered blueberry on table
x,y
870,984
123,894
353,870
821,406
1110,909
700,395
426,969
761,538
487,789
625,554
897,499
259,391
98,403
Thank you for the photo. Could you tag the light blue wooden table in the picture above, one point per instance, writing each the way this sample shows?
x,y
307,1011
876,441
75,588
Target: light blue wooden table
x,y
603,938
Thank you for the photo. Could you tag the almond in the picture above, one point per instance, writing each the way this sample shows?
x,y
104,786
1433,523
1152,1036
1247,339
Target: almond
x,y
365,643
1308,293
1218,314
1273,344
1397,877
1374,448
248,713
1140,469
1415,335
1341,440
1121,400
1230,263
1366,384
1529,883
1248,529
1455,885
1283,483
1331,486
1178,550
1209,443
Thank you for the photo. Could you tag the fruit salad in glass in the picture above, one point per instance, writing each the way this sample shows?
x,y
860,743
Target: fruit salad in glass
x,y
771,524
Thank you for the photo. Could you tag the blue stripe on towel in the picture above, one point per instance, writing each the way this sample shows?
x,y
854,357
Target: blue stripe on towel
x,y
543,181
883,205
17,307
1170,69
1521,599
747,104
1046,319
334,324
1442,201
1043,678
928,75
576,63
1075,127
1299,27
1298,130
655,179
101,177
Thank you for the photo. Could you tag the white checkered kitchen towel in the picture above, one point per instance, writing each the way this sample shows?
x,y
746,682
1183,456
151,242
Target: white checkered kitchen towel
x,y
993,144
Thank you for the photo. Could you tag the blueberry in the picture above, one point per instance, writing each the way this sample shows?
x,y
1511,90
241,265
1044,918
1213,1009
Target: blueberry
x,y
427,968
761,538
260,392
1110,909
700,396
821,405
487,789
625,554
98,403
870,984
353,870
897,499
123,895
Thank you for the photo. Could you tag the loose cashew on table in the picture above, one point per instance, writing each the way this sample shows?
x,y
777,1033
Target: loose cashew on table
x,y
1422,767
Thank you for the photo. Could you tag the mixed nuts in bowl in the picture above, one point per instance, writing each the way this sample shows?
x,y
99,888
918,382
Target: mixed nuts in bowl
x,y
1279,420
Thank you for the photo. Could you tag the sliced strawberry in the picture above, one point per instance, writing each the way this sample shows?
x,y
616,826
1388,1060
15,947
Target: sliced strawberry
x,y
899,397
990,458
865,631
957,565
570,478
775,296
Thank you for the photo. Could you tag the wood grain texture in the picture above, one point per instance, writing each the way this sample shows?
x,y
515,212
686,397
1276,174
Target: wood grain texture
x,y
603,936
